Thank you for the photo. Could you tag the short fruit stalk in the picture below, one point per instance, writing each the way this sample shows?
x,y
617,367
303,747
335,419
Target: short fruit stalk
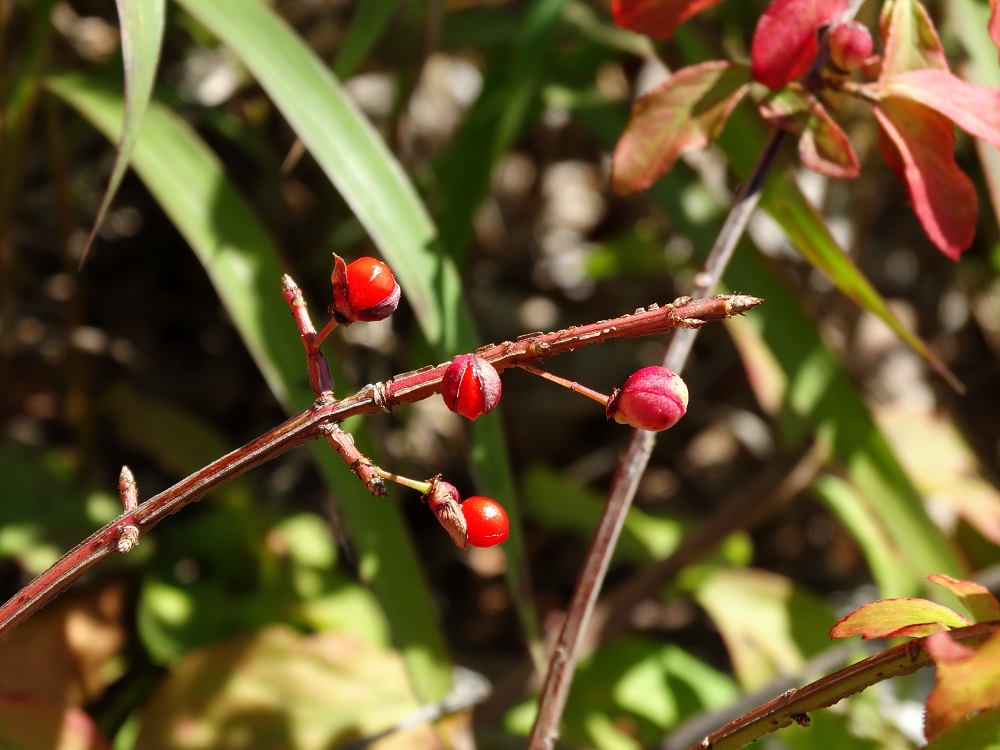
x,y
653,398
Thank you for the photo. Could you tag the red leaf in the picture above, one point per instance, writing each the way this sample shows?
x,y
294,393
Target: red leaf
x,y
974,108
784,42
975,597
888,617
911,41
943,197
686,112
823,146
658,19
966,681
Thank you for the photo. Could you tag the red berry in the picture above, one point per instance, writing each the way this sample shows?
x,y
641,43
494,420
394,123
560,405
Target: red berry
x,y
486,521
653,398
365,290
471,386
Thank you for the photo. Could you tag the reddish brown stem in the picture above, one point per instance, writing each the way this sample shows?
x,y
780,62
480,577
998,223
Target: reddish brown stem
x,y
794,706
320,419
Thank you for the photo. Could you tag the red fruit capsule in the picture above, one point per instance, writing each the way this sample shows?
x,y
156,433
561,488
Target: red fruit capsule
x,y
486,521
364,290
653,398
471,386
850,45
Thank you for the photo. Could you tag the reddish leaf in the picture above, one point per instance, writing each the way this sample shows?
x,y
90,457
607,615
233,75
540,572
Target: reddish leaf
x,y
943,198
850,45
966,681
911,41
889,617
686,112
975,597
823,146
658,19
784,42
974,108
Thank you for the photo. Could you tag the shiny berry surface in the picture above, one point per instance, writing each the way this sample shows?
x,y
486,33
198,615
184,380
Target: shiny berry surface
x,y
369,283
471,386
653,398
486,521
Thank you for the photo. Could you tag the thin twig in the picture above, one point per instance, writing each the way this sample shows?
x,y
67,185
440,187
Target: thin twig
x,y
321,419
630,470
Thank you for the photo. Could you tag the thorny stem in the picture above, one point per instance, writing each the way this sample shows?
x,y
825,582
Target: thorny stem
x,y
632,465
322,418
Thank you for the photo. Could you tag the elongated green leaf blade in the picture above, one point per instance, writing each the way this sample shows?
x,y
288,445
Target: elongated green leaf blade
x,y
357,162
351,154
188,181
142,24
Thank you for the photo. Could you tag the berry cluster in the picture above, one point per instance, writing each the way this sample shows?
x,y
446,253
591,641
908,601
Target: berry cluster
x,y
653,398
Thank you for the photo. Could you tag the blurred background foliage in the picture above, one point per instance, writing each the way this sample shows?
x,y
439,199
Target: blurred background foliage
x,y
821,464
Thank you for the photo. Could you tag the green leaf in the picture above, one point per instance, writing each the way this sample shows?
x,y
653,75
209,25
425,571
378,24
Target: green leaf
x,y
188,181
684,113
358,163
353,157
142,24
367,24
889,617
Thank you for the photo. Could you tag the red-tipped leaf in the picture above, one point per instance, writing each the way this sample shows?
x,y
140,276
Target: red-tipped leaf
x,y
891,617
917,143
823,145
911,41
975,597
966,681
685,113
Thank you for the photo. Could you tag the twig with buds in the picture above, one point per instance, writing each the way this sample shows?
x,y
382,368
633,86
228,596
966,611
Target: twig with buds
x,y
323,417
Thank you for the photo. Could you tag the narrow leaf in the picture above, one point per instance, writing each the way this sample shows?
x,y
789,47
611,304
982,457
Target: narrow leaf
x,y
685,113
943,197
142,38
994,26
975,597
911,41
974,108
784,42
890,616
188,181
658,19
966,682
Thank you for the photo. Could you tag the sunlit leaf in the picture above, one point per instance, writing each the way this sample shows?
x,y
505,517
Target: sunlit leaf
x,y
784,42
142,24
658,19
966,681
686,112
974,108
975,597
911,41
889,617
823,145
918,144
